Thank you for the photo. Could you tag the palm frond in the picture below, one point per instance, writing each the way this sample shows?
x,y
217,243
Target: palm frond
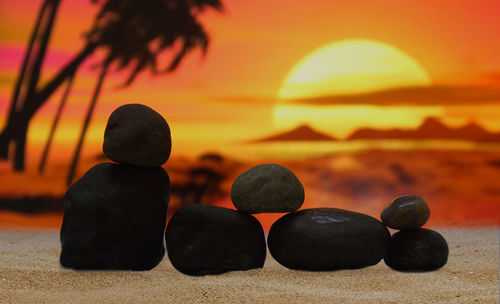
x,y
135,33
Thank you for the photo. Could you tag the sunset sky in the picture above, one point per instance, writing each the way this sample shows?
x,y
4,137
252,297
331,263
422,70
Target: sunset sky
x,y
233,93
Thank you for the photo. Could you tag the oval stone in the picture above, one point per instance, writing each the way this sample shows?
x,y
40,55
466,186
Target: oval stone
x,y
114,218
205,239
406,212
267,188
327,239
417,250
137,135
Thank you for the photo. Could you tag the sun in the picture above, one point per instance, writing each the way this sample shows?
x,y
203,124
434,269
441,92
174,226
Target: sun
x,y
352,66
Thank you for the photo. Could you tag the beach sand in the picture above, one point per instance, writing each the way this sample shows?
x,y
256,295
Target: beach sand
x,y
30,273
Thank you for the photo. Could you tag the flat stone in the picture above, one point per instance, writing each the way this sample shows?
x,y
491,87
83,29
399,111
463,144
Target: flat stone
x,y
137,135
417,250
406,212
205,239
327,239
114,218
267,188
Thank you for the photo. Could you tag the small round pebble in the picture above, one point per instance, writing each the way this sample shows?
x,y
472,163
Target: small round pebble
x,y
267,188
417,250
137,135
406,212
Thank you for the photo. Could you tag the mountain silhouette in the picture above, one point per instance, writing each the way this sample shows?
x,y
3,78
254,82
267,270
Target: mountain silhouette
x,y
300,133
431,128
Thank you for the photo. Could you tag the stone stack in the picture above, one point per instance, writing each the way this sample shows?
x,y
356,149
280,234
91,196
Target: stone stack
x,y
310,239
114,216
209,240
413,248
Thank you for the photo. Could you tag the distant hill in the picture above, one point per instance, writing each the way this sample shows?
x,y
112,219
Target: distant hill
x,y
431,128
301,133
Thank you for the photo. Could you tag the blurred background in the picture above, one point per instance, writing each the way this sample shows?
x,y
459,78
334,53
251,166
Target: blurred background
x,y
364,100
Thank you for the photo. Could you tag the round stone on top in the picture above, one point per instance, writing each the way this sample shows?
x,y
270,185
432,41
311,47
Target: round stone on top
x,y
406,212
267,188
137,135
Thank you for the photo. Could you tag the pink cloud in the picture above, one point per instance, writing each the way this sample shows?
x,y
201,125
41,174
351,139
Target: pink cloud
x,y
11,57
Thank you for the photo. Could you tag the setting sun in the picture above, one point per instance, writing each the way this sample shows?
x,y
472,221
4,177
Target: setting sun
x,y
351,67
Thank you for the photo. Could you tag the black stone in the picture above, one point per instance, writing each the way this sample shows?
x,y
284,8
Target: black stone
x,y
114,218
204,239
327,239
137,135
417,250
406,212
267,188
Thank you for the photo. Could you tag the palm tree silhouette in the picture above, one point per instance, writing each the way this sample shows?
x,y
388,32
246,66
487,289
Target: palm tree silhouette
x,y
133,34
27,82
55,123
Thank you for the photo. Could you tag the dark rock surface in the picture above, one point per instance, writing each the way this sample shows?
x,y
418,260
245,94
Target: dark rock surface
x,y
267,188
204,239
406,212
114,218
137,135
417,250
327,239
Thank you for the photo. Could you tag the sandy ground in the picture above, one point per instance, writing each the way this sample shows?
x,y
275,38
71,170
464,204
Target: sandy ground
x,y
30,273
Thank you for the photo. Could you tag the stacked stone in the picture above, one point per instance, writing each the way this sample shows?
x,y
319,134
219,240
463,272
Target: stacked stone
x,y
413,248
309,239
115,215
204,239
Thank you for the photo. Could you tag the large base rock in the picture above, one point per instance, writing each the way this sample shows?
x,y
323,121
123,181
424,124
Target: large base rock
x,y
204,239
114,218
417,250
327,239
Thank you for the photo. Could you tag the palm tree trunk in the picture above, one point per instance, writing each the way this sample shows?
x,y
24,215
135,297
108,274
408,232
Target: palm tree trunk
x,y
53,128
4,146
69,69
47,23
38,100
45,33
86,123
20,155
27,59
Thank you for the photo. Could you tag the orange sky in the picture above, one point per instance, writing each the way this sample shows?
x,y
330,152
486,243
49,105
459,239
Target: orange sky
x,y
254,46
